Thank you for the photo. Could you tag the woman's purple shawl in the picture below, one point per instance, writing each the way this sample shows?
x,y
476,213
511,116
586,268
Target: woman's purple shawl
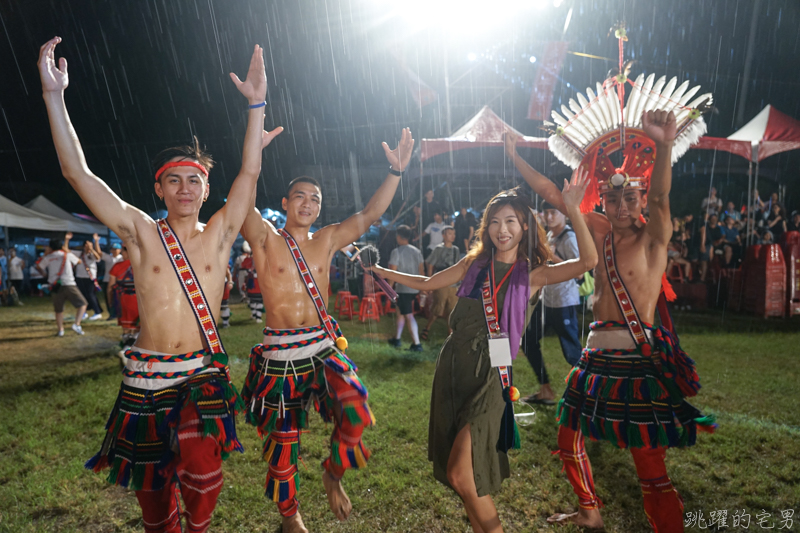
x,y
515,306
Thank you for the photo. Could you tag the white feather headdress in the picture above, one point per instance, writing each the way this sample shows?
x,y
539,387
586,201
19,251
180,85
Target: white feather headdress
x,y
586,121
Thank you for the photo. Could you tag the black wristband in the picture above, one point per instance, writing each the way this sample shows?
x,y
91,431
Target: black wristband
x,y
395,172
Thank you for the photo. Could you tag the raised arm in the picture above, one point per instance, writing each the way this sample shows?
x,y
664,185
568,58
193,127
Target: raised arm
x,y
538,182
101,200
661,128
355,226
587,259
96,251
255,228
443,278
242,194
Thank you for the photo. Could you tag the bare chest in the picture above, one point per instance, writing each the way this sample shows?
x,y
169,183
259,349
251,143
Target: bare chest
x,y
157,277
277,268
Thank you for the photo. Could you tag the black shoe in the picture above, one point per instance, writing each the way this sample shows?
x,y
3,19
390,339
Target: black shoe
x,y
394,342
415,347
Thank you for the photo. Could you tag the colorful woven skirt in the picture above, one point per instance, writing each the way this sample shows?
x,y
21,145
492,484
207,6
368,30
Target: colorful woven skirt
x,y
140,438
616,393
291,372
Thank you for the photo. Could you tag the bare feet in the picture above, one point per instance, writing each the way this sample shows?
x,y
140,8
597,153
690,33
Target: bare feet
x,y
337,498
590,519
294,524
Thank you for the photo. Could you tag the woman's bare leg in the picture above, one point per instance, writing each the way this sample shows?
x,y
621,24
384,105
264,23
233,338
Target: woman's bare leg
x,y
480,510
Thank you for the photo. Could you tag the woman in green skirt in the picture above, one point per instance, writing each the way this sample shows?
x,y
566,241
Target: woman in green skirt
x,y
471,422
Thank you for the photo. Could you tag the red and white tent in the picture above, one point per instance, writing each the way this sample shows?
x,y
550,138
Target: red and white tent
x,y
770,132
484,129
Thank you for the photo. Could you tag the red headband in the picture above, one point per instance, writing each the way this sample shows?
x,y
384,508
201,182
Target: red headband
x,y
181,164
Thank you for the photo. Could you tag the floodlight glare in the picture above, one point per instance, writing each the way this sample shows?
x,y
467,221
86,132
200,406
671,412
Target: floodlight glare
x,y
533,59
472,56
461,17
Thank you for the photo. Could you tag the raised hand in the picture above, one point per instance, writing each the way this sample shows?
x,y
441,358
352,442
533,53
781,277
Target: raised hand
x,y
573,190
510,140
54,78
660,126
267,136
254,87
400,156
95,237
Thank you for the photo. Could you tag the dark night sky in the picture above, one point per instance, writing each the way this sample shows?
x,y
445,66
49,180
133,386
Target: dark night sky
x,y
146,74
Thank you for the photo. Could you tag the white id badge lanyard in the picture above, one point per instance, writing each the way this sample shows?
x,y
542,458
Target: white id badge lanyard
x,y
499,350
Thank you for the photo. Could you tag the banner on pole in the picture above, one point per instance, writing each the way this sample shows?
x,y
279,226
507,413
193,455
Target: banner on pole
x,y
542,93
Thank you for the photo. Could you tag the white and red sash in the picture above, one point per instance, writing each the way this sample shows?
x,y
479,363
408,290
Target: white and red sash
x,y
313,291
194,293
489,298
624,300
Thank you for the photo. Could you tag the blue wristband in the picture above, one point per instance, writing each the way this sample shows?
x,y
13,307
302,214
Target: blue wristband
x,y
256,106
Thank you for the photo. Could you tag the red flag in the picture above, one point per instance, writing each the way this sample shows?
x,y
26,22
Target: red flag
x,y
542,92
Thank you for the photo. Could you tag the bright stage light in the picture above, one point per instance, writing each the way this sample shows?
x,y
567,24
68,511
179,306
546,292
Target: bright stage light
x,y
533,59
461,17
472,56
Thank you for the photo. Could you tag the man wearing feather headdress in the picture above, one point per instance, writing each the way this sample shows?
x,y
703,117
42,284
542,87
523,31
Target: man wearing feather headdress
x,y
302,363
630,384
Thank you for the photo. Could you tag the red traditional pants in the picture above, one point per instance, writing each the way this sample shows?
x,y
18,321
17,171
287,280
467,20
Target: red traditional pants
x,y
198,467
662,503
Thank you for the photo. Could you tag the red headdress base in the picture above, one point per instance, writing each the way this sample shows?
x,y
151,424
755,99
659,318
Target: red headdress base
x,y
634,173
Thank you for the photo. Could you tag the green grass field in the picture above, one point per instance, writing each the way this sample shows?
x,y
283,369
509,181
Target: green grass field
x,y
56,394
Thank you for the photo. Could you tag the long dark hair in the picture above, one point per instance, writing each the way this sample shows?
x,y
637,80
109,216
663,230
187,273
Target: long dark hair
x,y
533,247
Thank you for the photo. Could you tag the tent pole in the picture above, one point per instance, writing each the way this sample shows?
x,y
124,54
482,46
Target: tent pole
x,y
755,181
5,233
751,216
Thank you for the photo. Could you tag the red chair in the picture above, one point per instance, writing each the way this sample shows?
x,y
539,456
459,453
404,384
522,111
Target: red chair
x,y
672,276
341,296
347,309
369,309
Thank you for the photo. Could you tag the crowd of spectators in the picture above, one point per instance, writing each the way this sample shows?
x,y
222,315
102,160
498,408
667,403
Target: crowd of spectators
x,y
717,240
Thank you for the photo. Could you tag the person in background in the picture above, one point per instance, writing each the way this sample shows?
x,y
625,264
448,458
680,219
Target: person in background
x,y
3,269
710,234
86,273
57,266
429,208
776,220
16,269
711,205
239,273
225,310
794,223
731,212
434,233
109,260
731,237
441,258
558,308
728,260
121,280
465,225
767,238
255,299
408,260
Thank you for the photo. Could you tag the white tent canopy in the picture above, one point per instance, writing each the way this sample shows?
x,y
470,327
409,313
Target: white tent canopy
x,y
13,215
42,205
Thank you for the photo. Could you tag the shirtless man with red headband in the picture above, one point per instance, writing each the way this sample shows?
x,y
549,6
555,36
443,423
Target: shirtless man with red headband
x,y
621,390
173,422
301,363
